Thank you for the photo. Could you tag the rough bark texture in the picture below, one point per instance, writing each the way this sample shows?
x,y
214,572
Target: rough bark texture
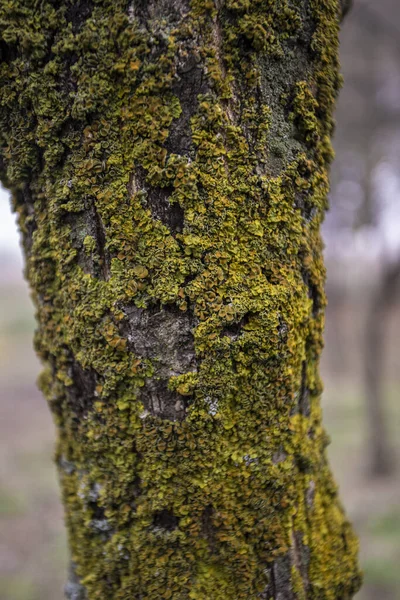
x,y
168,161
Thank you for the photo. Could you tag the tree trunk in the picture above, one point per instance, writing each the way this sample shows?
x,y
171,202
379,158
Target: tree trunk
x,y
168,161
379,450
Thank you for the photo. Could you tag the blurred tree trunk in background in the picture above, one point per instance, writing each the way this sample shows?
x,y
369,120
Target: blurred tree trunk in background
x,y
381,457
379,302
168,162
363,200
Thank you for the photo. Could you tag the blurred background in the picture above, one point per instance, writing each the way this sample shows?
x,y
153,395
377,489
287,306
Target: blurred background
x,y
361,361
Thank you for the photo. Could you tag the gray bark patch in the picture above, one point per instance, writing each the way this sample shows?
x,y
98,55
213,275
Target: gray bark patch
x,y
162,334
301,557
153,10
282,571
280,584
73,589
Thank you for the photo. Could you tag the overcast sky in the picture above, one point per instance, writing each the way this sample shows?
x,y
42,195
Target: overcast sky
x,y
9,239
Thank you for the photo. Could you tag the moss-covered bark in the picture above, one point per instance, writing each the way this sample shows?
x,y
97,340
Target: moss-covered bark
x,y
168,161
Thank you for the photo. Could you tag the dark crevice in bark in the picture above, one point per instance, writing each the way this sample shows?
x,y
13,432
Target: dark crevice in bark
x,y
165,519
157,200
303,401
307,210
93,260
313,292
171,215
78,12
270,590
135,488
162,402
100,237
303,463
99,523
280,584
101,527
8,52
234,330
81,394
208,527
189,84
189,278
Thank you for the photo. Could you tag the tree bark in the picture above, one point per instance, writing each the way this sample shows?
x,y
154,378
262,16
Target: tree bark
x,y
168,162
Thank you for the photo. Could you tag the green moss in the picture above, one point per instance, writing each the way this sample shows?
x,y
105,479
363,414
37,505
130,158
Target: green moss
x,y
249,256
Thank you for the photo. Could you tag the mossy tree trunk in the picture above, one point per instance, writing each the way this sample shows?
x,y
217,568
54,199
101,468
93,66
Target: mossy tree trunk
x,y
168,162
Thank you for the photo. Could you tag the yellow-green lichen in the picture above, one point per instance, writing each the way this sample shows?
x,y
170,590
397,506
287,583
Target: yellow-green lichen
x,y
204,505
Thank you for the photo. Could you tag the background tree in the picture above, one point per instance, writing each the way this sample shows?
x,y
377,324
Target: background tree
x,y
364,213
168,162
